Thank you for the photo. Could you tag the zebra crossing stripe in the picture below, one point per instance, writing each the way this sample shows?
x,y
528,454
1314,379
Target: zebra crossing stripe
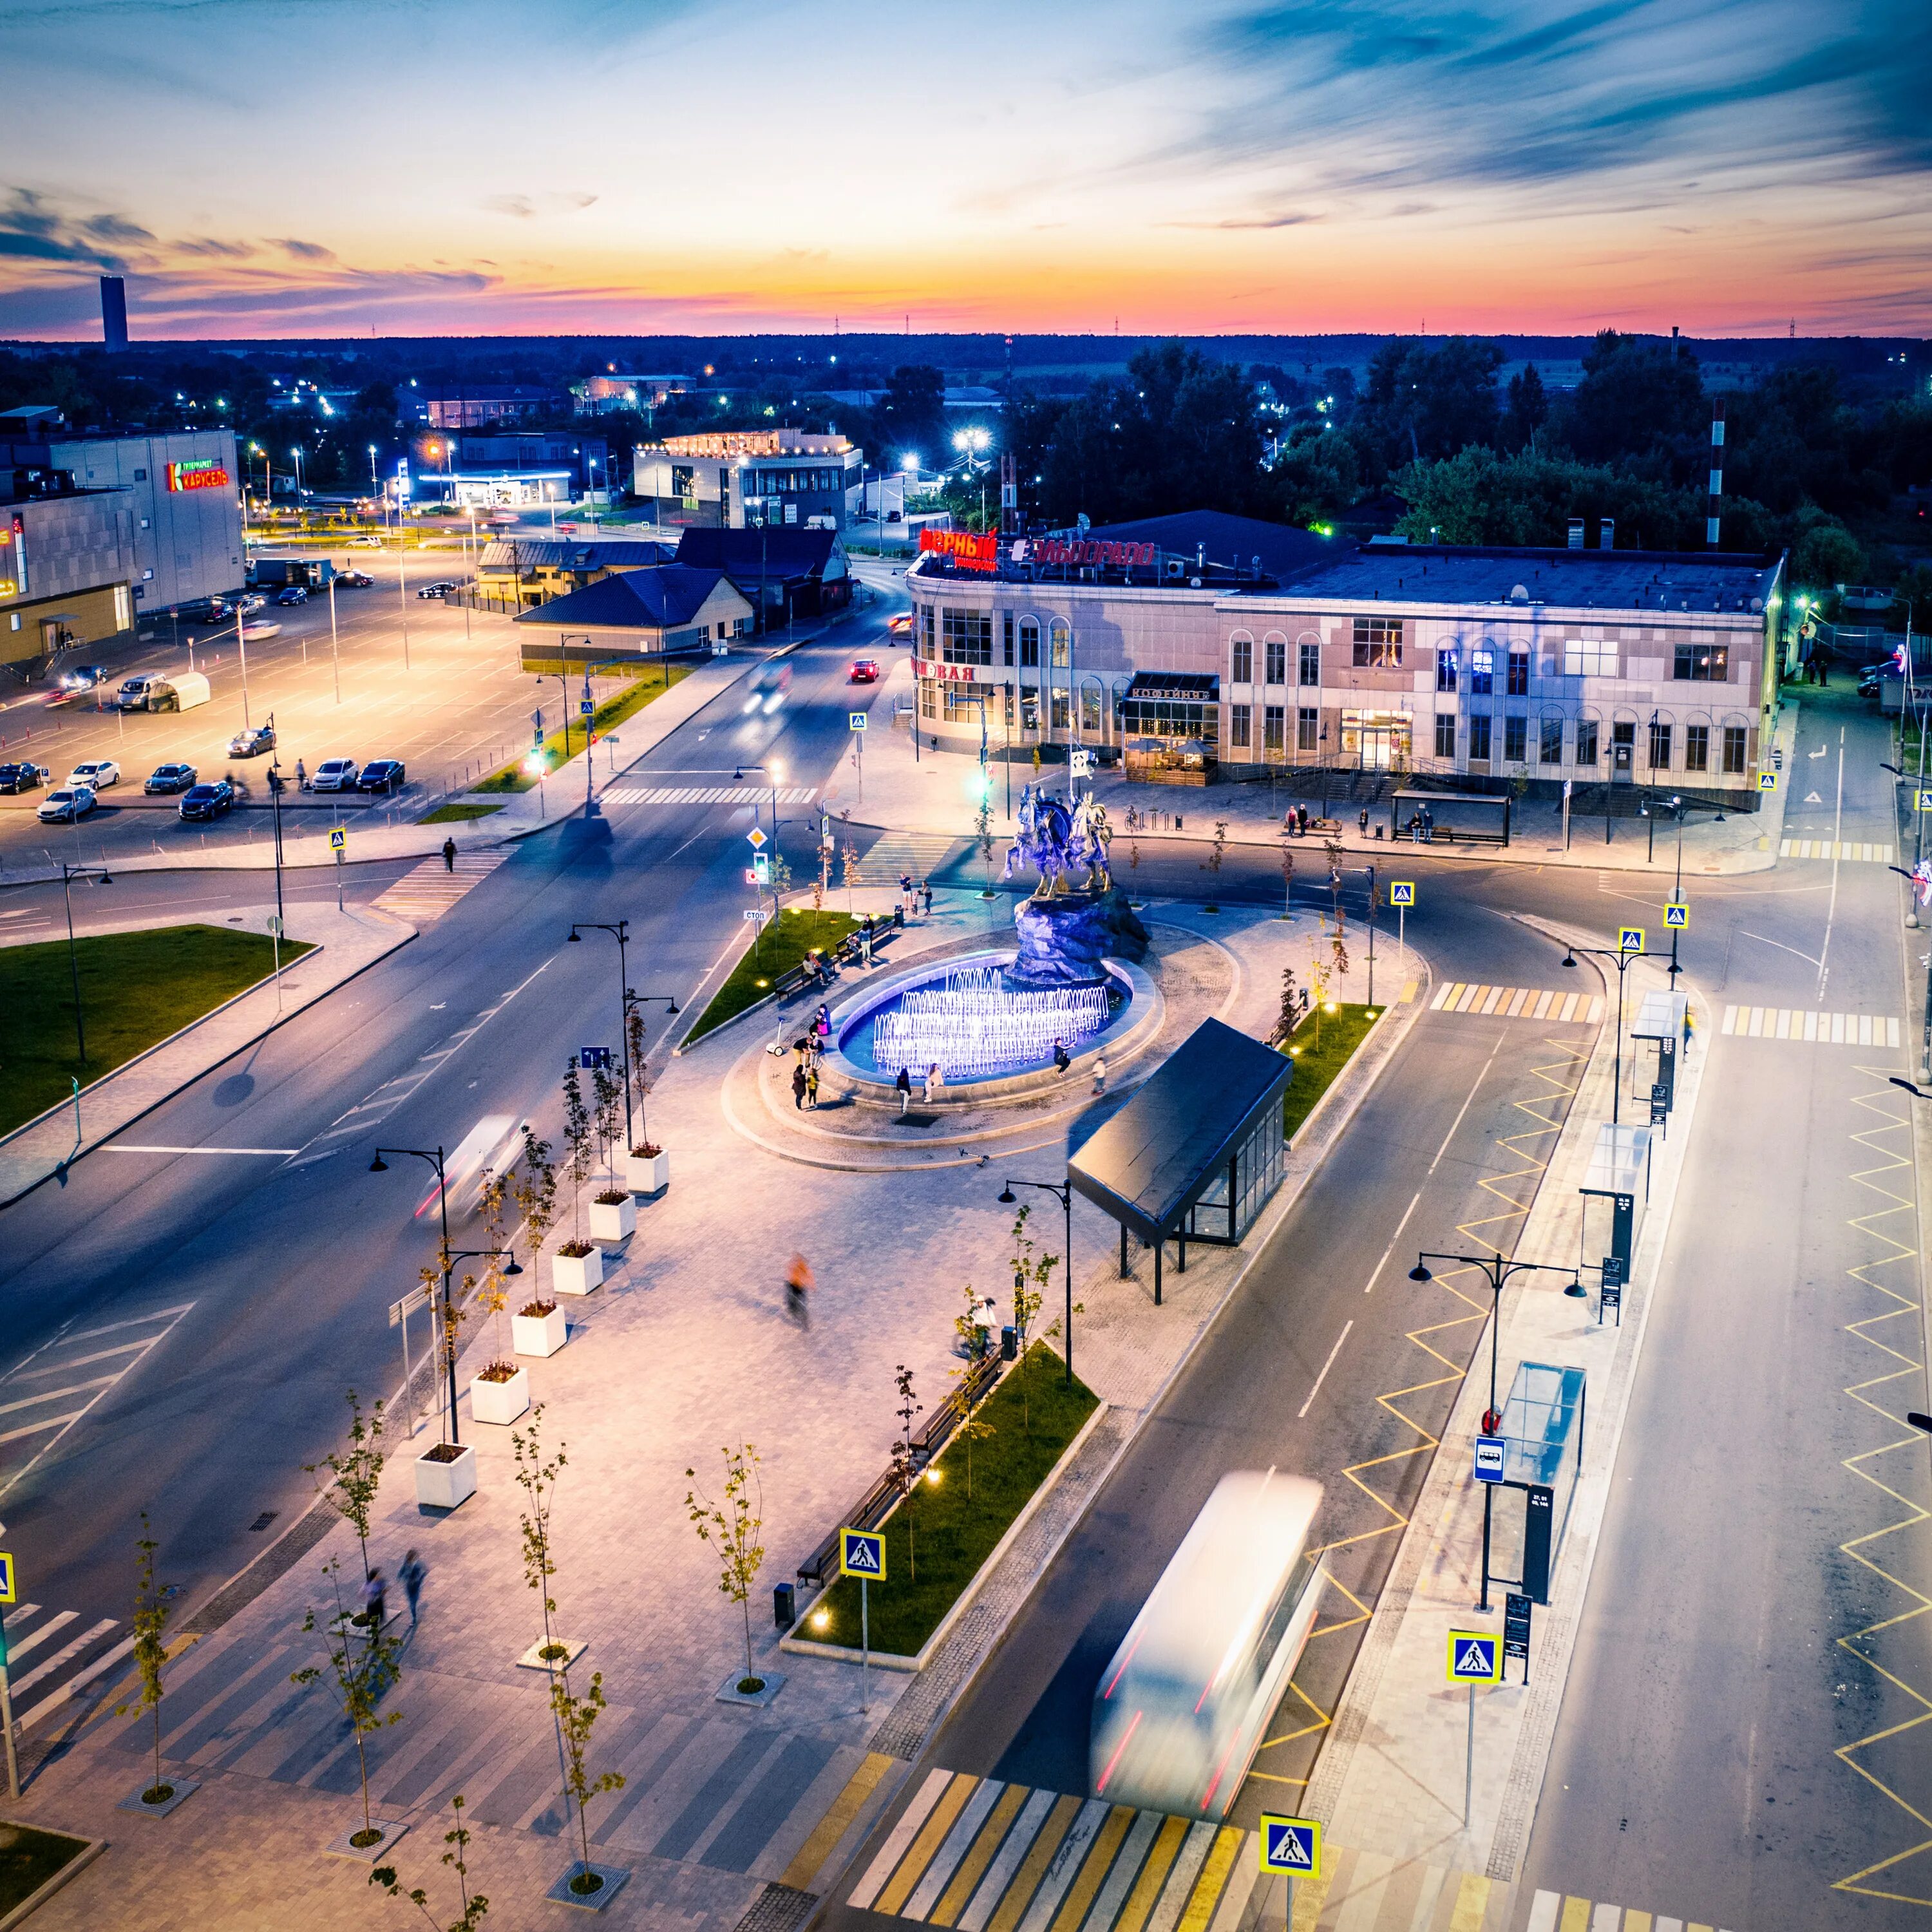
x,y
910,1819
706,794
1857,851
1813,1028
1025,1830
1512,1002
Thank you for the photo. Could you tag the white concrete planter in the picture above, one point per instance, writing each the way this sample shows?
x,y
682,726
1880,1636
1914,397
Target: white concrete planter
x,y
614,1220
441,1485
499,1402
647,1174
577,1274
539,1334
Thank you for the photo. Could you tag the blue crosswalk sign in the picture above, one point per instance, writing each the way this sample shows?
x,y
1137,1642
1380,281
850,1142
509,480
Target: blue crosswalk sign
x,y
6,1577
1401,891
862,1552
1291,1845
1474,1657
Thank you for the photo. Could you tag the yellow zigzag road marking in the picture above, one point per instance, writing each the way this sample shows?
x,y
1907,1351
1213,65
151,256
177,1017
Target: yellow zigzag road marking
x,y
1904,1308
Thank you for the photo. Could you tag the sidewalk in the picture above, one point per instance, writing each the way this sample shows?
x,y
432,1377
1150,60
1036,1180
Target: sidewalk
x,y
346,943
932,794
686,1348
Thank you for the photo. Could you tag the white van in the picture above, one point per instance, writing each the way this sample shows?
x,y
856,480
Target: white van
x,y
182,691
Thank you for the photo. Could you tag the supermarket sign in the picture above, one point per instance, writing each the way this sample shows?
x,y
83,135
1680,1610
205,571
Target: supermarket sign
x,y
968,551
203,472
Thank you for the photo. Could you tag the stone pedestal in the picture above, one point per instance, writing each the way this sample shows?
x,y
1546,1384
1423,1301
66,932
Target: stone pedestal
x,y
1063,942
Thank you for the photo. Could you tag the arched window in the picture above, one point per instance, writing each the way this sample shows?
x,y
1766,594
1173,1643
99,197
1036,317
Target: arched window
x,y
1519,670
1274,649
1550,738
1092,707
1482,669
1030,644
1061,640
1241,658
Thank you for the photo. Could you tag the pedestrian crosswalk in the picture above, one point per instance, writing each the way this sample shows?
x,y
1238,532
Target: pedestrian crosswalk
x,y
898,853
1859,852
429,890
742,794
1518,1003
52,1654
1803,1023
1553,1912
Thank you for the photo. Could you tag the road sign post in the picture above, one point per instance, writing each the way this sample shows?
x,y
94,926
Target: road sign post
x,y
7,1595
338,841
856,719
1291,1846
862,1553
1402,896
1475,1657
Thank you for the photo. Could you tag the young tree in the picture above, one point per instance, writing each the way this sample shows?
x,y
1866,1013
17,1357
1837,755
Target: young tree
x,y
1318,980
1211,865
364,1660
535,1191
982,834
576,1134
975,1344
1287,876
848,870
576,1717
1033,1275
537,1480
356,1473
475,1905
905,1466
641,1142
732,1528
1288,1015
1331,850
151,1651
608,1094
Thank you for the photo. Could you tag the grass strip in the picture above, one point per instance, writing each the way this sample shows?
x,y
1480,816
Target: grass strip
x,y
1320,1051
654,682
1033,1415
136,987
28,1858
458,813
779,948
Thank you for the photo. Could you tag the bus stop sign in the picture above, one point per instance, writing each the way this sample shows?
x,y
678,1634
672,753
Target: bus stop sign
x,y
1490,1459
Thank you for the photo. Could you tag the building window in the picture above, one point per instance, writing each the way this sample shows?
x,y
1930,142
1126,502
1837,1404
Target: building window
x,y
1702,663
925,622
1479,736
1308,728
1241,664
1273,727
1549,749
1061,640
1063,711
140,476
1379,642
1091,699
1586,741
1519,671
1029,644
1735,742
928,702
1445,734
1660,746
968,636
1482,671
1309,665
1696,748
1240,726
1516,739
1589,657
1445,669
1007,635
1276,665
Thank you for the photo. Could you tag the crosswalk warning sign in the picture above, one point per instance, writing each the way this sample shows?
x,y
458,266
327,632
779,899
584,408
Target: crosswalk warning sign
x,y
1401,891
337,839
1474,1657
6,1577
1767,781
1630,939
862,1552
1676,916
1291,1845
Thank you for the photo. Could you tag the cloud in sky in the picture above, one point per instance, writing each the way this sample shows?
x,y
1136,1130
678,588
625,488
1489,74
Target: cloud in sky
x,y
1528,164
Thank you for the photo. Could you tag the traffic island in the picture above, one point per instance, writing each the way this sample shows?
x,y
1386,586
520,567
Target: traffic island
x,y
1321,1046
777,949
34,1865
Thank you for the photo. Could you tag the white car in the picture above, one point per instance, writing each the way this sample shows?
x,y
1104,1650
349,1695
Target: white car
x,y
97,774
334,775
69,802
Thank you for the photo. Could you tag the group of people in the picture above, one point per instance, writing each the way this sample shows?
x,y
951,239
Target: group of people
x,y
1294,821
1421,826
807,1050
913,899
410,1572
933,1086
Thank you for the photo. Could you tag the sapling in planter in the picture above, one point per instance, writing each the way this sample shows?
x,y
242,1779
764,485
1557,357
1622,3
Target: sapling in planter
x,y
732,1528
642,1145
475,1905
535,1197
355,1473
905,1464
151,1652
581,1137
975,1344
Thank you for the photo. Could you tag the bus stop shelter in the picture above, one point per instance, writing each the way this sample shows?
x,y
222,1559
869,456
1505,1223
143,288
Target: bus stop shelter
x,y
1619,1172
1663,1020
1460,818
1196,1153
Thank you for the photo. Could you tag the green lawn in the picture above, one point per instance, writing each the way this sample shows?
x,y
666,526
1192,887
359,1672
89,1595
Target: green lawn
x,y
779,948
136,987
1317,1064
951,1533
458,813
653,681
28,1858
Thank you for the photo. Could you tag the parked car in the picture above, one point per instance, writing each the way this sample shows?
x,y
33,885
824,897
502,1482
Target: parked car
x,y
864,670
97,774
207,801
292,593
899,625
370,542
68,803
334,775
381,775
356,579
19,778
437,589
83,677
169,778
252,743
253,601
132,694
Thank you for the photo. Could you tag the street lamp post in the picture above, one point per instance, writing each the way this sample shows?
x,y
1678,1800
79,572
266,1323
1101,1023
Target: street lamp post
x,y
1496,1271
1062,1191
626,1000
68,874
1622,962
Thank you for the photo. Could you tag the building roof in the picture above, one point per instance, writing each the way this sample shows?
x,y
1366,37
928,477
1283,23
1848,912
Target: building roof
x,y
662,599
549,554
1667,582
786,551
1149,1164
1232,542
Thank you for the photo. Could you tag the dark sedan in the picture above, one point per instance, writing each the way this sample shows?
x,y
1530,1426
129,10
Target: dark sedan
x,y
381,775
164,779
207,801
21,778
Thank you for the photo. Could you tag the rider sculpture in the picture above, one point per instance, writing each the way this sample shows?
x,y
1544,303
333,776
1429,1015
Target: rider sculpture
x,y
1055,840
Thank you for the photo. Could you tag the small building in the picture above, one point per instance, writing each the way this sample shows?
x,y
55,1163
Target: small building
x,y
67,555
735,479
516,468
449,406
599,395
632,616
785,574
519,573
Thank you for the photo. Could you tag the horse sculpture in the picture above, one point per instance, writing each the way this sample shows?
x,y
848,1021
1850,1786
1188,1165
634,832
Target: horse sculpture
x,y
1054,840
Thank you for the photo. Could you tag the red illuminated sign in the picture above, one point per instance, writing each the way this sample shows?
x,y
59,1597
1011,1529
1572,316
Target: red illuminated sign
x,y
1109,555
969,552
947,674
203,473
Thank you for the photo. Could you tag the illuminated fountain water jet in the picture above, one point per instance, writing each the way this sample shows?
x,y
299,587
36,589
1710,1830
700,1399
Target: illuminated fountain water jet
x,y
974,1024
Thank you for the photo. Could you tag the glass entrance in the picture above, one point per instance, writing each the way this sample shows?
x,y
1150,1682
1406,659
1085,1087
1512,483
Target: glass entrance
x,y
1376,740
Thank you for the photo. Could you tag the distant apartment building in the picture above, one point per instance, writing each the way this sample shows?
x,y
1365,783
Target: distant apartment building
x,y
66,561
599,395
481,405
739,479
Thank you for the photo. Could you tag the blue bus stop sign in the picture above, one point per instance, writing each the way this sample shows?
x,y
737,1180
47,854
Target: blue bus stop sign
x,y
1490,1459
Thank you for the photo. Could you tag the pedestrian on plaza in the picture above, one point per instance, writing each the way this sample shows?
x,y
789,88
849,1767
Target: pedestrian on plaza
x,y
899,916
821,1024
935,1081
375,1603
1428,826
800,1082
449,855
1099,1077
926,892
412,1572
905,890
798,1285
903,1084
811,1085
1301,812
301,776
1363,821
1060,1060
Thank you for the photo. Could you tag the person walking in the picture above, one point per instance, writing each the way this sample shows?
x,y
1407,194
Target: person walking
x,y
375,1603
412,1572
935,1081
1099,1077
301,776
925,894
449,855
903,1084
811,1085
801,1081
798,1286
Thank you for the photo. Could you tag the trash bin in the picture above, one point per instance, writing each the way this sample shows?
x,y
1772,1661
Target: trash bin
x,y
1010,1343
785,1606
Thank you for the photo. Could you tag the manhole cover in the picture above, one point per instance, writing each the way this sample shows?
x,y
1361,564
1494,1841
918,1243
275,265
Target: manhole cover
x,y
262,1521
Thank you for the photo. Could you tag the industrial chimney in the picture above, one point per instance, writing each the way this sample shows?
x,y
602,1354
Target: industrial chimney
x,y
1716,473
113,313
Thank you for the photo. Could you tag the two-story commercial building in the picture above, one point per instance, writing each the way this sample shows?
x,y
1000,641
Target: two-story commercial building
x,y
67,558
737,479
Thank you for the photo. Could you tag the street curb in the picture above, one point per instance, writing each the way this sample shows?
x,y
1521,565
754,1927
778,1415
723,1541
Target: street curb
x,y
91,1849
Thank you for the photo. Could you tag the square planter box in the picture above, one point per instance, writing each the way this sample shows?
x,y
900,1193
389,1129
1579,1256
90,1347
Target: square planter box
x,y
446,1485
614,1220
499,1402
577,1274
648,1174
539,1334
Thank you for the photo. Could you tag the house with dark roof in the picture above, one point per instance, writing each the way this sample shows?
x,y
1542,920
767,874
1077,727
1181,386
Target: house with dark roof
x,y
784,572
521,572
632,615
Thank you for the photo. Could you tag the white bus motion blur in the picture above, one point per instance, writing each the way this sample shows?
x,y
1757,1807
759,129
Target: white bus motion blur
x,y
491,1146
1179,1713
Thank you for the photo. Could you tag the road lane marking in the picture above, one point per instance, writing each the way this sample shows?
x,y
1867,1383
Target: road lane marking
x,y
1375,1274
1300,1413
139,1146
1813,1028
59,1621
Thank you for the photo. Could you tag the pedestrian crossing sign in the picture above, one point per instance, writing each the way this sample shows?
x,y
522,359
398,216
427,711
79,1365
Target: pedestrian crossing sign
x,y
1401,891
1676,915
1291,1845
862,1552
1630,939
1767,781
857,719
338,840
1922,801
1474,1657
6,1577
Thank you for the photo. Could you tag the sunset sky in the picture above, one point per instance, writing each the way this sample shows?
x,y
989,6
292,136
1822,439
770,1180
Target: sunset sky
x,y
323,167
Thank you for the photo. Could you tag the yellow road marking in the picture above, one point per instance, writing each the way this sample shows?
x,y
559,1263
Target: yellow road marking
x,y
972,1866
1153,1875
1028,1875
1080,1895
833,1826
1213,1875
1472,1902
931,1836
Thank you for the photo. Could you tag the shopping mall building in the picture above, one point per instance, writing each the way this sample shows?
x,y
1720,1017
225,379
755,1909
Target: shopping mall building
x,y
1200,644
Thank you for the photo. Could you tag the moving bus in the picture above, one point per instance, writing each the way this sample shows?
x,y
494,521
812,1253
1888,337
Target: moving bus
x,y
1180,1712
492,1147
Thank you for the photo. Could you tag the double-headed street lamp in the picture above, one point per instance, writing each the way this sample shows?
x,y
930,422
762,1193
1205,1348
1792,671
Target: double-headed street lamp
x,y
1675,808
1496,1271
1622,960
447,1259
1062,1191
626,1000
